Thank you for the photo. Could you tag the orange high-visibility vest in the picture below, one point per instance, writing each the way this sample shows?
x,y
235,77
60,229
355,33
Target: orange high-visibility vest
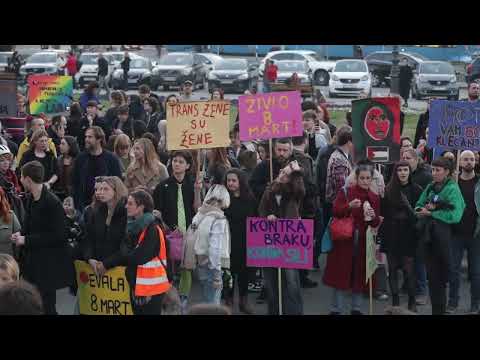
x,y
152,277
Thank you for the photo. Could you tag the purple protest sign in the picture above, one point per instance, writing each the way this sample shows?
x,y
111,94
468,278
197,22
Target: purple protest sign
x,y
270,115
283,243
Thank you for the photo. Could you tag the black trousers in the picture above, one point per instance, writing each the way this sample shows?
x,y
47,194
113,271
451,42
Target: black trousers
x,y
396,263
153,307
437,262
49,300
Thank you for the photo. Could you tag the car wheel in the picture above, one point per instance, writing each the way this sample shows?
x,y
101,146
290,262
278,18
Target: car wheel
x,y
166,87
321,78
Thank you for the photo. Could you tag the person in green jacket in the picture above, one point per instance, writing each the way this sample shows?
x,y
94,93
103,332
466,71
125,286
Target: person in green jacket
x,y
440,206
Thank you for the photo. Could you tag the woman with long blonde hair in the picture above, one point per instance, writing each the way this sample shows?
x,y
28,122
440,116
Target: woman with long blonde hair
x,y
146,170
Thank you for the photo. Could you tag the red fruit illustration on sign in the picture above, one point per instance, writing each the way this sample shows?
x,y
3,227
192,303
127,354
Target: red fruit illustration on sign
x,y
83,277
376,123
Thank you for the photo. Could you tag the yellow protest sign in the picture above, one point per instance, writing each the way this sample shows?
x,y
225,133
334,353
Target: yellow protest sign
x,y
106,295
371,260
198,125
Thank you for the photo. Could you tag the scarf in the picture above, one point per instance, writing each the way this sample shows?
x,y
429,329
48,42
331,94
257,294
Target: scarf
x,y
136,226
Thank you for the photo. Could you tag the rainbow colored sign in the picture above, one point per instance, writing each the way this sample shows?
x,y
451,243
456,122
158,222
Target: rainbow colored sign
x,y
49,93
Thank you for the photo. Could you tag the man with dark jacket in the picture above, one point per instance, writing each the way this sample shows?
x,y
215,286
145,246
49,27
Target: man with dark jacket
x,y
90,119
46,261
405,78
125,65
125,124
102,74
91,163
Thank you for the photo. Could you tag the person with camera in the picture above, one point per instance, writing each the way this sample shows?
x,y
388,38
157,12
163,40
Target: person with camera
x,y
440,206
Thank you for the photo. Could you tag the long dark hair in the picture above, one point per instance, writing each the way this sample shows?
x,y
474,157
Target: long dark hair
x,y
245,191
393,188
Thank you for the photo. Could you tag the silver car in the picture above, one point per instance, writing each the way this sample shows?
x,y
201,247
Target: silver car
x,y
435,78
287,68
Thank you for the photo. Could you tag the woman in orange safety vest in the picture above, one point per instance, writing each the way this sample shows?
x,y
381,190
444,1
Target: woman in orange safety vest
x,y
146,262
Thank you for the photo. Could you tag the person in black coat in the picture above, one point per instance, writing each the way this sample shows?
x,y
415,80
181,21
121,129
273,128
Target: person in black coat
x,y
106,226
46,260
242,205
405,78
422,125
90,119
399,240
153,115
125,65
74,121
90,164
125,124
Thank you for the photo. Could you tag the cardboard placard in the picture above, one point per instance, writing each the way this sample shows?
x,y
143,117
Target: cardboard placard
x,y
198,125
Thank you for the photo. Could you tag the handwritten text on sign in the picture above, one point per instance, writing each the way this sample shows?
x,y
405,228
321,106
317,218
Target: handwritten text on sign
x,y
270,115
106,295
454,125
284,243
198,125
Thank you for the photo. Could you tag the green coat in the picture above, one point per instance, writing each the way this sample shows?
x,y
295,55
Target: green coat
x,y
451,194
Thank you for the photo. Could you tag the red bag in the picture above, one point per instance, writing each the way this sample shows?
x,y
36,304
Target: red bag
x,y
341,229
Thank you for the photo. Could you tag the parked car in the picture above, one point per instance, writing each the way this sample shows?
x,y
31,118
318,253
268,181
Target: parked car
x,y
287,68
435,78
140,73
4,56
320,69
89,70
233,74
380,65
350,77
174,68
209,61
44,63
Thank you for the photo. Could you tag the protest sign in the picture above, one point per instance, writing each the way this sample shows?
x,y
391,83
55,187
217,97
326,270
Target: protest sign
x,y
454,125
106,295
376,129
270,115
370,258
283,243
198,125
8,98
49,93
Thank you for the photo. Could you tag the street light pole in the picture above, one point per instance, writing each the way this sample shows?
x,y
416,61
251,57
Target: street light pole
x,y
395,72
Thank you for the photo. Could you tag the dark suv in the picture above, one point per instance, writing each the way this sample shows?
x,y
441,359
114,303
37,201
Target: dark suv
x,y
473,70
173,69
380,65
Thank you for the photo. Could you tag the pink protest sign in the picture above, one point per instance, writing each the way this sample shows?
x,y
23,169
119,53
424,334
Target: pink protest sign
x,y
283,243
270,115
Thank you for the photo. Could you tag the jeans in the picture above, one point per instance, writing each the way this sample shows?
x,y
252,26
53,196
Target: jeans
x,y
421,275
458,246
292,301
103,84
206,276
338,301
266,86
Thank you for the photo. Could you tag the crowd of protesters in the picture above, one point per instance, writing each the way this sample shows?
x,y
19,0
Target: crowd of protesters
x,y
108,176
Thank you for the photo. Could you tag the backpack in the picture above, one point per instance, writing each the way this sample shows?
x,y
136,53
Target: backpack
x,y
189,261
322,168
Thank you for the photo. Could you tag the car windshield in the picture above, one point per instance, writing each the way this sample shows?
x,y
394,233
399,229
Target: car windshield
x,y
313,57
117,57
419,56
286,66
177,60
43,58
232,65
437,68
90,59
138,64
4,58
350,66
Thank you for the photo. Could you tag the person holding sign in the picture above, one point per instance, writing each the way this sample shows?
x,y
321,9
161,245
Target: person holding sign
x,y
146,262
440,206
346,264
283,200
398,229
